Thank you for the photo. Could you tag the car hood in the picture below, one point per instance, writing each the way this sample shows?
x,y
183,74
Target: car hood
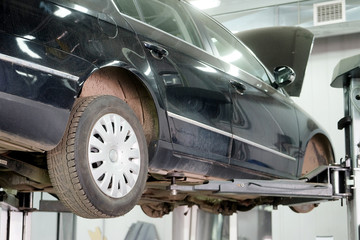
x,y
278,46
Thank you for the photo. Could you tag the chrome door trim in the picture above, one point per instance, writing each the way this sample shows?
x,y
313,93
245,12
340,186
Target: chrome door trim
x,y
36,66
224,133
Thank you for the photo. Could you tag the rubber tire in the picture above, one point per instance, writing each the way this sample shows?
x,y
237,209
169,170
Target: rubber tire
x,y
68,164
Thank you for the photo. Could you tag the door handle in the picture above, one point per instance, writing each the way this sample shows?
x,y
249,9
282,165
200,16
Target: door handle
x,y
239,87
156,51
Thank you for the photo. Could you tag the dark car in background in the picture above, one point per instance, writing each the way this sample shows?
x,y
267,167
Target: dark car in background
x,y
117,99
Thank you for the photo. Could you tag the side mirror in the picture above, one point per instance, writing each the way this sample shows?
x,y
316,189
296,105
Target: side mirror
x,y
284,76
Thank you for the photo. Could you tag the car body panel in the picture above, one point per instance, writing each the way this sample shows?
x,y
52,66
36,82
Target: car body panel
x,y
197,101
262,138
272,147
70,55
30,81
309,129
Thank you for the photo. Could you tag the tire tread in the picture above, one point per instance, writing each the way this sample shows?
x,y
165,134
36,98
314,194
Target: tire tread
x,y
64,176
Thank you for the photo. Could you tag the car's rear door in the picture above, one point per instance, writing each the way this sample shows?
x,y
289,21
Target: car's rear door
x,y
264,124
196,95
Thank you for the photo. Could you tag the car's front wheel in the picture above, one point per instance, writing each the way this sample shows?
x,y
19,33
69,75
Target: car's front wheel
x,y
99,169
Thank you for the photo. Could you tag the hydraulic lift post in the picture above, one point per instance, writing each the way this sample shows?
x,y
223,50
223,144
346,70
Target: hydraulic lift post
x,y
15,216
352,144
347,76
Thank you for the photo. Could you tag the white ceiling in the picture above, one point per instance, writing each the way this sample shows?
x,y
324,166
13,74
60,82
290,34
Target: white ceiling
x,y
231,6
235,15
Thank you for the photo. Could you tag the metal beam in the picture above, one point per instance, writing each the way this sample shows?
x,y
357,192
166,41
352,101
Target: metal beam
x,y
325,183
32,172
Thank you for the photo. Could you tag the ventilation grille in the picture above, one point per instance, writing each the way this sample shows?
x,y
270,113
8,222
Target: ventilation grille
x,y
329,12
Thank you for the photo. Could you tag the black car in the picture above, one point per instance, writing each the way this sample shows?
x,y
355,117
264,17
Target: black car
x,y
107,103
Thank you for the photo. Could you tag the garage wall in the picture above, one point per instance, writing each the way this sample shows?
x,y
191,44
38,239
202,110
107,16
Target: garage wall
x,y
325,104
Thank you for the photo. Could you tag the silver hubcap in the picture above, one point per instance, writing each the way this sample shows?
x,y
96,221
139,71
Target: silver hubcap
x,y
114,155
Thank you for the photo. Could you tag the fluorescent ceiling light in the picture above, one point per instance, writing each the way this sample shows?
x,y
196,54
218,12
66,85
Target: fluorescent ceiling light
x,y
205,4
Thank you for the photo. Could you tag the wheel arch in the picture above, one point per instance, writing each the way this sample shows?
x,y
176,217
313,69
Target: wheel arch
x,y
318,151
131,88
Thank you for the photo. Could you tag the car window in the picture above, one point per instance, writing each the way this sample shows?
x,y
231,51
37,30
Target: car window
x,y
171,17
128,7
231,50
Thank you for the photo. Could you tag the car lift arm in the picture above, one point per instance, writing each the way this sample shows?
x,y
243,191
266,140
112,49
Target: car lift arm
x,y
324,184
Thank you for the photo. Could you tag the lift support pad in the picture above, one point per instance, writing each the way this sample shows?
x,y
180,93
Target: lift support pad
x,y
324,184
275,188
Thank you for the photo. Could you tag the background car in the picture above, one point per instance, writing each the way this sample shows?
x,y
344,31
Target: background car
x,y
120,99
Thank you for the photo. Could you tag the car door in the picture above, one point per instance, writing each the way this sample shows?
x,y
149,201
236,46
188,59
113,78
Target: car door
x,y
197,98
264,123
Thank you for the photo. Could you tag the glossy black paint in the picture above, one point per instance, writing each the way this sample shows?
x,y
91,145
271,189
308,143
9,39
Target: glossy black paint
x,y
201,96
273,132
215,119
36,112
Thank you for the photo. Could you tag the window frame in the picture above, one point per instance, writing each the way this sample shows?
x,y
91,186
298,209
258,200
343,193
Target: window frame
x,y
214,51
196,41
121,9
